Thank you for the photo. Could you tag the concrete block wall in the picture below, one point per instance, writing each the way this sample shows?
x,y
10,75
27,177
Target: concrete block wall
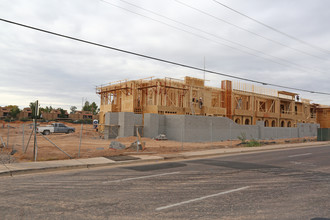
x,y
229,130
249,131
174,127
138,119
126,124
192,128
138,124
271,133
154,124
307,130
162,124
111,118
151,125
122,124
205,128
197,128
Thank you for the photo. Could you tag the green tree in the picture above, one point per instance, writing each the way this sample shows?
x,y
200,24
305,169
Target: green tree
x,y
94,108
63,113
48,109
73,109
86,106
14,111
91,107
33,108
42,110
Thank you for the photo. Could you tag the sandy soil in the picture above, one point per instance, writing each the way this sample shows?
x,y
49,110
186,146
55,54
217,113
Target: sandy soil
x,y
92,143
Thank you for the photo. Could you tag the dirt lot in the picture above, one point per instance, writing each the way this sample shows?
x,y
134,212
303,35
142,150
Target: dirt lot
x,y
92,143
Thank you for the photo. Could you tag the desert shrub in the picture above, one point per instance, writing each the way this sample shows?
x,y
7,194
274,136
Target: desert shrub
x,y
253,143
242,138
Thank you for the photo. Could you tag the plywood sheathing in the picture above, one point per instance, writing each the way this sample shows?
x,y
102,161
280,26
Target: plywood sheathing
x,y
244,103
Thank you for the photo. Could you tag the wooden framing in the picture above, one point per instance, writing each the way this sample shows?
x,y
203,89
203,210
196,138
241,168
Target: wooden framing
x,y
323,116
162,96
244,103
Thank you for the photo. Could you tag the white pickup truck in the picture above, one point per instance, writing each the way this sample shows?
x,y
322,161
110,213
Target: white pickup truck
x,y
55,128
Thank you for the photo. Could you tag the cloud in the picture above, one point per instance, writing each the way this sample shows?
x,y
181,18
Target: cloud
x,y
59,71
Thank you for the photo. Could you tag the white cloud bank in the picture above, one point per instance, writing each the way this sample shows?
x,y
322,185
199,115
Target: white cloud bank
x,y
60,72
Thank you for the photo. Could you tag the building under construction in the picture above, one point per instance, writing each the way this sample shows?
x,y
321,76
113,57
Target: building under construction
x,y
323,116
244,103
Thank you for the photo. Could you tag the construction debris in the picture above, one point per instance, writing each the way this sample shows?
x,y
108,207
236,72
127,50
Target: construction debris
x,y
137,145
117,145
161,137
6,158
2,144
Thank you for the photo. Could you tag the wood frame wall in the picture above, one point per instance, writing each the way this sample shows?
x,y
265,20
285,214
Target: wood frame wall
x,y
190,96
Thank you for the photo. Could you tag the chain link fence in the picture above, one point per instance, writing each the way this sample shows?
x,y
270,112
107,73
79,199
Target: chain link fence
x,y
19,139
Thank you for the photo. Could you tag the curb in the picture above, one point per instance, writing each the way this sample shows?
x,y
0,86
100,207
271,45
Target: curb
x,y
11,173
43,170
247,150
260,149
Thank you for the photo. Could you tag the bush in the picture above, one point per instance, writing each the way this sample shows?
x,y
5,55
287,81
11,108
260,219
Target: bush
x,y
253,143
83,121
242,138
25,119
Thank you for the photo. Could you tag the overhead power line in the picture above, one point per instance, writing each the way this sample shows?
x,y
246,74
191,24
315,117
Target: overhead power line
x,y
159,59
274,29
260,54
247,30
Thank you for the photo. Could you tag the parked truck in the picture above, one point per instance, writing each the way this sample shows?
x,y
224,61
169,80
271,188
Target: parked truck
x,y
55,128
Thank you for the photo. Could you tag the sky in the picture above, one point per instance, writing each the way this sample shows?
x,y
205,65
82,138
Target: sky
x,y
61,72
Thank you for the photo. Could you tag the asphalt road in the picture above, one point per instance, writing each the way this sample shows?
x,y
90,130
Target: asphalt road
x,y
287,184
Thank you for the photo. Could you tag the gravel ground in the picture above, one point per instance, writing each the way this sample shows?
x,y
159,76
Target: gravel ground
x,y
6,158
